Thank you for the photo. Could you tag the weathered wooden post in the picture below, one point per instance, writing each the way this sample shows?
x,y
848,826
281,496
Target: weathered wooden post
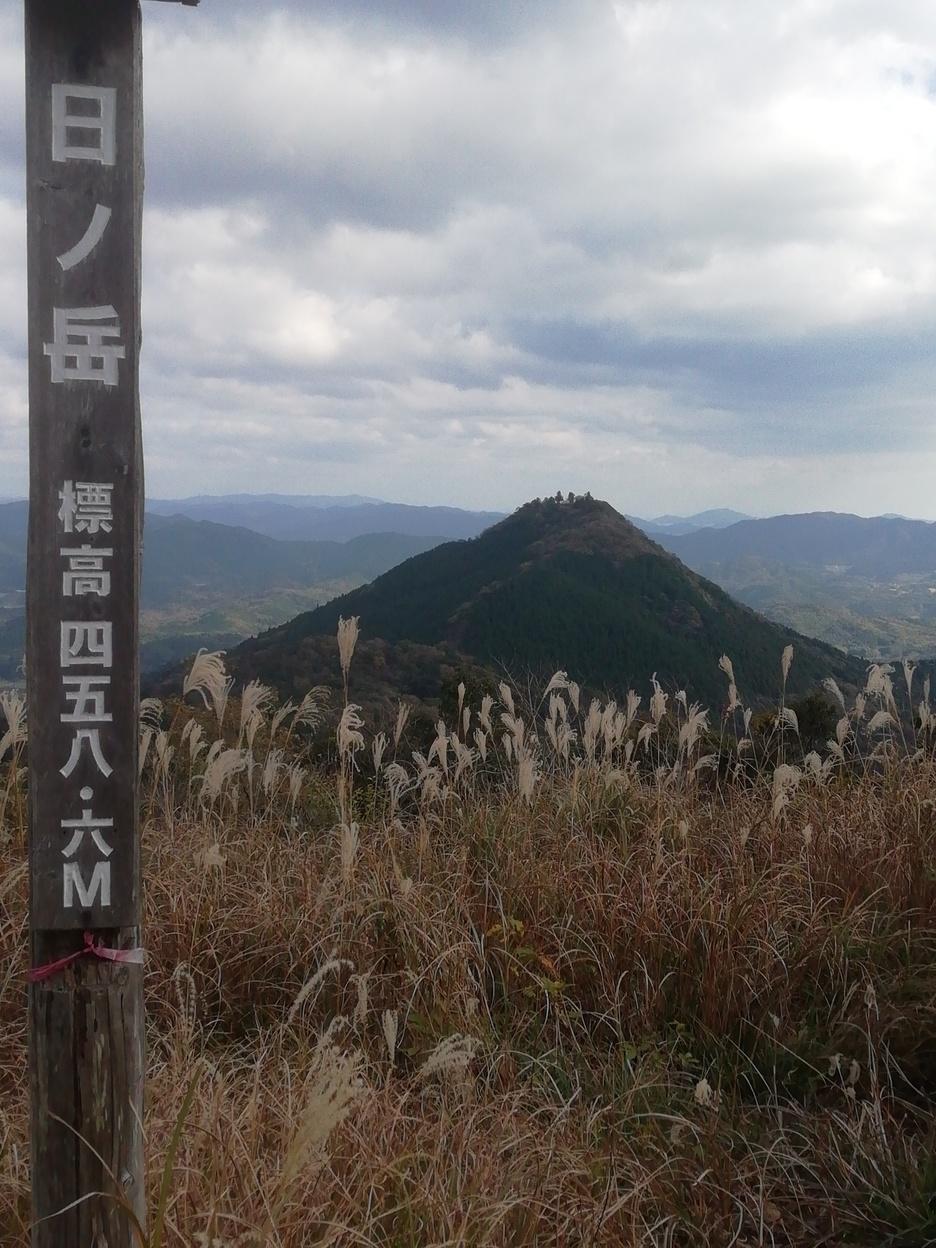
x,y
84,123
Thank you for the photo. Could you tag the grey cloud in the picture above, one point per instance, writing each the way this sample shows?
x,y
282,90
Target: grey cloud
x,y
482,22
466,251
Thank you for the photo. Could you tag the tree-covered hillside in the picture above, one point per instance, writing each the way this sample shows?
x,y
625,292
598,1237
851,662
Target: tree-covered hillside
x,y
568,584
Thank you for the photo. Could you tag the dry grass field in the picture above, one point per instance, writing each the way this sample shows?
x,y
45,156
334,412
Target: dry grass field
x,y
574,975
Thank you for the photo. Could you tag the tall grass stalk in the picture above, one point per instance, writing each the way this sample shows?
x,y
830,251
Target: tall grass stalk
x,y
566,971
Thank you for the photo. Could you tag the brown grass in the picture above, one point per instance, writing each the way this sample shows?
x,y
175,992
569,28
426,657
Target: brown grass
x,y
565,999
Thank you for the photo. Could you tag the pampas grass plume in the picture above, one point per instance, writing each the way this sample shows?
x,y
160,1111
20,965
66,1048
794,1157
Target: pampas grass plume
x,y
348,632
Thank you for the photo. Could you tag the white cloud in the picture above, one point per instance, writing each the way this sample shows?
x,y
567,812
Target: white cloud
x,y
677,254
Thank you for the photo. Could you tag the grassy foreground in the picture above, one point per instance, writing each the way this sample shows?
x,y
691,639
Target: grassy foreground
x,y
565,979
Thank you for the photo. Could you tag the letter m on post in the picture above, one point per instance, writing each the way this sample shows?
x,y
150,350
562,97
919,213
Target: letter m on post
x,y
96,892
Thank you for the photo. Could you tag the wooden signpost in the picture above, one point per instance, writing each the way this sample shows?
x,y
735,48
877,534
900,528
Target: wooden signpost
x,y
84,123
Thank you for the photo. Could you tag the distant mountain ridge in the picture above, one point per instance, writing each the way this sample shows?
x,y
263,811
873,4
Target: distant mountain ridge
x,y
867,585
190,556
879,545
207,584
715,517
179,506
570,585
215,576
182,555
313,521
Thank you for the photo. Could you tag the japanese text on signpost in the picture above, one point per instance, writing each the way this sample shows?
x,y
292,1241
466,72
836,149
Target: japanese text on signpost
x,y
85,486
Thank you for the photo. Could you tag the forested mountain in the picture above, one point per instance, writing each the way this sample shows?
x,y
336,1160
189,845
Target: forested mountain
x,y
571,585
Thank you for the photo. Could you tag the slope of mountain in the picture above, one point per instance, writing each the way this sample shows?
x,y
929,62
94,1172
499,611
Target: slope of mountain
x,y
865,585
288,521
567,585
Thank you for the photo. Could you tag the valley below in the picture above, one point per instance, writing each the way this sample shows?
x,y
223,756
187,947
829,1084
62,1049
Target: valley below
x,y
887,619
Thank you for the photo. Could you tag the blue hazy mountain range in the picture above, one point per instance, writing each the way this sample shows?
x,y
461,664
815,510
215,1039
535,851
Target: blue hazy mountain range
x,y
319,517
714,518
170,506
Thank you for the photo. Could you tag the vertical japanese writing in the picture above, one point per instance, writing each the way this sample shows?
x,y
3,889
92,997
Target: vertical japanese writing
x,y
85,349
84,292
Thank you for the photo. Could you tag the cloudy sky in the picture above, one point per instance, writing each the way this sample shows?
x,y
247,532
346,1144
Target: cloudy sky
x,y
472,251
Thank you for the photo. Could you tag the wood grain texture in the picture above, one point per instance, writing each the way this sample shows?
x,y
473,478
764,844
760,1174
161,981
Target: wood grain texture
x,y
87,1136
86,1024
83,431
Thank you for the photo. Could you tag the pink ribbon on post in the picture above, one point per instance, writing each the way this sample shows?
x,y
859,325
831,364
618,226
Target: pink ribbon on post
x,y
90,950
